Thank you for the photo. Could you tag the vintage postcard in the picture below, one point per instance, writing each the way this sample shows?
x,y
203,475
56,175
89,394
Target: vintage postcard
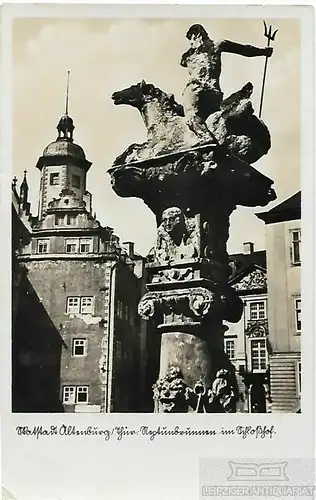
x,y
158,160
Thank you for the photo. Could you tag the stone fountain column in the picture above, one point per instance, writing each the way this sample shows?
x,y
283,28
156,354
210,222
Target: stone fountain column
x,y
192,175
192,194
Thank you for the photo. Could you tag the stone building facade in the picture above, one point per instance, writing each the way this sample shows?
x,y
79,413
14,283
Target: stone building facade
x,y
247,342
88,283
36,343
283,243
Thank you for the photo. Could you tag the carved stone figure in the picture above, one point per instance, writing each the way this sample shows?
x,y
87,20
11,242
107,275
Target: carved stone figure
x,y
193,175
224,392
173,274
163,118
234,125
171,392
177,237
202,94
237,128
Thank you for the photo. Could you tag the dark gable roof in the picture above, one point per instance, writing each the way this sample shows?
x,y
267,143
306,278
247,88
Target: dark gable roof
x,y
242,264
289,209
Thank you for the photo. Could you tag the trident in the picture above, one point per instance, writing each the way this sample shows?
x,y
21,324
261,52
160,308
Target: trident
x,y
270,36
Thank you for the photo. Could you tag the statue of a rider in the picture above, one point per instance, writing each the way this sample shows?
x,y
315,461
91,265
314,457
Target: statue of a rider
x,y
202,94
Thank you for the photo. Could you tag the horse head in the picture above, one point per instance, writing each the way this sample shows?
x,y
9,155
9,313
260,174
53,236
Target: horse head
x,y
133,95
142,93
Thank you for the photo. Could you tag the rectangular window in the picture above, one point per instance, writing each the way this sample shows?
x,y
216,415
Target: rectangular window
x,y
54,179
73,305
76,181
118,350
296,247
257,310
59,219
73,394
71,220
230,348
120,309
72,245
299,377
298,324
69,394
86,305
42,246
85,245
82,394
79,347
80,305
258,355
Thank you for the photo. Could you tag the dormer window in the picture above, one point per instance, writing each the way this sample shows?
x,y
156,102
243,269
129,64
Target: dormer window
x,y
54,179
76,181
59,219
71,219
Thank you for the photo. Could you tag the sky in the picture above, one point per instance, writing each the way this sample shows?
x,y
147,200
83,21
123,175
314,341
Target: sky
x,y
105,55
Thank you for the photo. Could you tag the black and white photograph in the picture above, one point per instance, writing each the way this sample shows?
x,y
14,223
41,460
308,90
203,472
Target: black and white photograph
x,y
156,185
187,126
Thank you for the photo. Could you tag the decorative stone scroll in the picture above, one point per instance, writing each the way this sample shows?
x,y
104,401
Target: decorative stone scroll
x,y
192,302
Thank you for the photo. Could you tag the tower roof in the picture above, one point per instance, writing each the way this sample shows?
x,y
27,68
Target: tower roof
x,y
63,148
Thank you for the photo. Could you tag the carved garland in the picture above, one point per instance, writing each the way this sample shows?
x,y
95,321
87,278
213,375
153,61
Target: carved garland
x,y
258,328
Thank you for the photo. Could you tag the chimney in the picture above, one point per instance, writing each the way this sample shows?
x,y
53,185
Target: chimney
x,y
129,245
248,247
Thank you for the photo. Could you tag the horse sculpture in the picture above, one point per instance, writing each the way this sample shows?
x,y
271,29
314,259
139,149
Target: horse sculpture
x,y
234,126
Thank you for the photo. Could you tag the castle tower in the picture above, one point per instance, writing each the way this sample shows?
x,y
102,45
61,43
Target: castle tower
x,y
63,165
86,285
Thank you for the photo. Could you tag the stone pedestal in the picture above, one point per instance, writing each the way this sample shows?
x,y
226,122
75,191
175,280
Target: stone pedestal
x,y
192,194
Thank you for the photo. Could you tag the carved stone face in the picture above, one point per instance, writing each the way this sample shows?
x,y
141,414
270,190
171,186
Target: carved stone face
x,y
168,399
196,40
172,218
170,391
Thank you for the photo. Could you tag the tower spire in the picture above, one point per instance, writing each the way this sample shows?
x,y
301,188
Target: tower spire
x,y
67,93
24,191
65,126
